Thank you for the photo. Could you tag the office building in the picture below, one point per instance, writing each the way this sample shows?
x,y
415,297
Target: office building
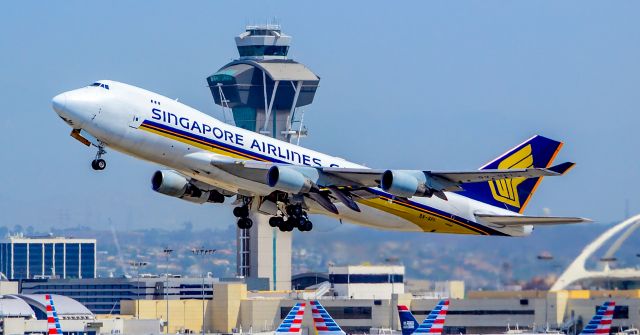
x,y
47,257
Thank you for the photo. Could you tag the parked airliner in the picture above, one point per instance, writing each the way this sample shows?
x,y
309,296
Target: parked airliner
x,y
208,160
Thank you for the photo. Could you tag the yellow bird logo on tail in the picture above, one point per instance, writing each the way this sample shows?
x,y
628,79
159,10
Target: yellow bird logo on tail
x,y
506,190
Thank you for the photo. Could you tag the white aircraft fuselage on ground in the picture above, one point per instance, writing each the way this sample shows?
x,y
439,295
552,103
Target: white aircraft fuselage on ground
x,y
215,158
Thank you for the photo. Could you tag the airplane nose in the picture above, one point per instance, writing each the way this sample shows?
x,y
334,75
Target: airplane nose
x,y
59,102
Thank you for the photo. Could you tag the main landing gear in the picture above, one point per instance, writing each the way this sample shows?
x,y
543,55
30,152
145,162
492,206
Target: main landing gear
x,y
297,218
242,213
290,217
98,163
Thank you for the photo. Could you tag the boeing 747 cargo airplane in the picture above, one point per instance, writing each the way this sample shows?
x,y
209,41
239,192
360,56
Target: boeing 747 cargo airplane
x,y
209,160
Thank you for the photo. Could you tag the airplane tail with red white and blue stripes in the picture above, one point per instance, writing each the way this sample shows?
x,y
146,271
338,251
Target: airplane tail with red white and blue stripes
x,y
323,322
291,325
434,322
601,322
53,323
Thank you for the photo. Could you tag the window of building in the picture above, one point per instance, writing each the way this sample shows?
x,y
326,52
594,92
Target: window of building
x,y
48,259
347,313
35,259
19,260
73,260
263,50
88,262
59,259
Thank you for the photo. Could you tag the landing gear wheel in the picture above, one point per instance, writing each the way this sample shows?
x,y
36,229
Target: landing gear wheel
x,y
98,164
305,225
287,225
241,212
276,221
245,223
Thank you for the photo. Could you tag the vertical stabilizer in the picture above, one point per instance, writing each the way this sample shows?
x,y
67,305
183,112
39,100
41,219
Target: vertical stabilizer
x,y
408,322
291,325
323,322
601,322
514,193
434,322
53,323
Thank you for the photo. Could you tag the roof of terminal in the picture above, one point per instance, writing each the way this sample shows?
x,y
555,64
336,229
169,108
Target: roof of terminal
x,y
12,306
67,308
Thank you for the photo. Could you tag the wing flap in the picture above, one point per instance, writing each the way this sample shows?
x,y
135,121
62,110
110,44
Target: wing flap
x,y
522,220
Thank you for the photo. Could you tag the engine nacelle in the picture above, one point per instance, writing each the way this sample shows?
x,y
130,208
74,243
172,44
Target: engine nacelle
x,y
169,182
405,183
291,179
173,184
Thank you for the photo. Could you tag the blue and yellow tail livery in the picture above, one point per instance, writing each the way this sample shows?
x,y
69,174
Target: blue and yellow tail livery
x,y
514,193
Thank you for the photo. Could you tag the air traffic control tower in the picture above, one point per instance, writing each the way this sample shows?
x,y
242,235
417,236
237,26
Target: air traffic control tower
x,y
264,90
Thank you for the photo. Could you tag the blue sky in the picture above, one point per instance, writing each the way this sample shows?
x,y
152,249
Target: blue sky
x,y
426,85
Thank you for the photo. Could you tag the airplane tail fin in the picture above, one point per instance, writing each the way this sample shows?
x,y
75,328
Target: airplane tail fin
x,y
434,322
408,322
323,322
601,322
291,325
514,194
53,323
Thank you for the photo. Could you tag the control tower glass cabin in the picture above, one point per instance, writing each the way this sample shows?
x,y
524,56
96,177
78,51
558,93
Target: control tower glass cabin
x,y
264,87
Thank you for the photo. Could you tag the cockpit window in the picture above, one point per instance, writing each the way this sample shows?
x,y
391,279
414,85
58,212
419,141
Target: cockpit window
x,y
105,86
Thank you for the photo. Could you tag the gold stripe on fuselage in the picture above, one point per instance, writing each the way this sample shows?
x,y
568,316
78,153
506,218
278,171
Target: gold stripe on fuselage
x,y
426,220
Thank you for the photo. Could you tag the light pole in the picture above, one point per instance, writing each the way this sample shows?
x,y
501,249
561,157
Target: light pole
x,y
137,265
167,252
203,253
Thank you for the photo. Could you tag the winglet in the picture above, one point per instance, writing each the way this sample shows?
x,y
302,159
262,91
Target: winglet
x,y
562,168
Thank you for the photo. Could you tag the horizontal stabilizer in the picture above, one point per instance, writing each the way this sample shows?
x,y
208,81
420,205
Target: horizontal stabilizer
x,y
562,168
518,220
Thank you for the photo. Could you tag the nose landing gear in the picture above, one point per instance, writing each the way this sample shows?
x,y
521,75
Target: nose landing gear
x,y
98,163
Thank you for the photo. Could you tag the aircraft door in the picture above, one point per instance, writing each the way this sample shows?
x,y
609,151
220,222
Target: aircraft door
x,y
136,119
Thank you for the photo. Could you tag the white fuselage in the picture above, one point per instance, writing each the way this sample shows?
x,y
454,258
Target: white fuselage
x,y
150,126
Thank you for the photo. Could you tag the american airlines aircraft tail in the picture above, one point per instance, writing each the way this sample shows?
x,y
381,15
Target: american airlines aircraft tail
x,y
53,322
601,322
323,323
207,161
292,323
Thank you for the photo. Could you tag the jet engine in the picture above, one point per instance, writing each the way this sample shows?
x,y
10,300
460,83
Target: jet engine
x,y
173,184
291,180
405,183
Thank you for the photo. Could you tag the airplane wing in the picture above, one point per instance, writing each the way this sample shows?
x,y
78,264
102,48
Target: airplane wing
x,y
326,185
361,177
521,220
